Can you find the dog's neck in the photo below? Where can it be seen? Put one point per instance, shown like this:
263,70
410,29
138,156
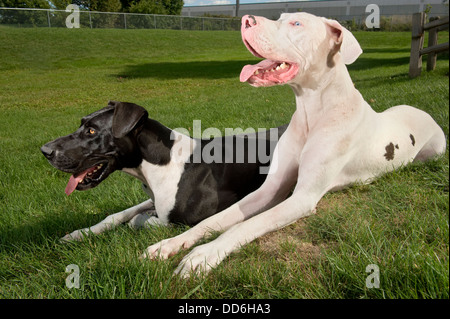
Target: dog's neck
159,146
317,95
153,145
155,142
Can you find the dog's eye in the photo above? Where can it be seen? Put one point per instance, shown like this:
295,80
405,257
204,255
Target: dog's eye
91,131
296,23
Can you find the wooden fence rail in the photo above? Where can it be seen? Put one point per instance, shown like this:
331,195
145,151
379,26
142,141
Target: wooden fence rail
418,33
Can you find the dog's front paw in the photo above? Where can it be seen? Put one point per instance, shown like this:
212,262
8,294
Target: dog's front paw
76,235
166,248
201,260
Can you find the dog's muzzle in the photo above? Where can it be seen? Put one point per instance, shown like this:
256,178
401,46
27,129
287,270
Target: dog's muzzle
47,151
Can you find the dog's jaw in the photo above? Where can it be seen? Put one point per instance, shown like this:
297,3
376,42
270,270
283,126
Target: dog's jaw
273,70
268,73
89,178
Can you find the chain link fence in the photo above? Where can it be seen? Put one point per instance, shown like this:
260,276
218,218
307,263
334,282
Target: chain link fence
92,19
21,17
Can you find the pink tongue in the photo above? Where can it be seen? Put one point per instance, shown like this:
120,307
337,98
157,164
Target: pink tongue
249,70
74,180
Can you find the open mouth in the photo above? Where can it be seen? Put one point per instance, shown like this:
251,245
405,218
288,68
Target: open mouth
87,179
267,72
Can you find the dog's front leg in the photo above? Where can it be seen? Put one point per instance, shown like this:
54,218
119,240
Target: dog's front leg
205,257
110,221
316,176
260,199
276,187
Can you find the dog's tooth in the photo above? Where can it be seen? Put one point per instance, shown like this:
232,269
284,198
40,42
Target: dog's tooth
278,68
283,65
256,72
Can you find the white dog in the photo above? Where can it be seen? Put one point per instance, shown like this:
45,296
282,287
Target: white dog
334,138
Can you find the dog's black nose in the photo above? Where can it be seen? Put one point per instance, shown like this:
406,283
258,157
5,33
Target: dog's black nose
47,151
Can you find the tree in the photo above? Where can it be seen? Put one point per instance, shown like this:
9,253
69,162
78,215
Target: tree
41,4
172,7
147,6
61,4
94,5
126,4
22,17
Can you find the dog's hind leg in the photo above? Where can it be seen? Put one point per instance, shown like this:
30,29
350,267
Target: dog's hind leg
110,221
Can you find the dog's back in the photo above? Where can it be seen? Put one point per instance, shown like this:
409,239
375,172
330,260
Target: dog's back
231,167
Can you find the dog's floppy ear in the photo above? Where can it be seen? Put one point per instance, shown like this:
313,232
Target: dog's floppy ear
126,117
349,47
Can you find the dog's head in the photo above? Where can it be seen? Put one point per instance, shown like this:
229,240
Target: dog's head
294,47
104,142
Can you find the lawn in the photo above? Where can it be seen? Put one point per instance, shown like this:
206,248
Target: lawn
50,78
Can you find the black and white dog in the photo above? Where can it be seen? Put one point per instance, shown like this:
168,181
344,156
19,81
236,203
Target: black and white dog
187,179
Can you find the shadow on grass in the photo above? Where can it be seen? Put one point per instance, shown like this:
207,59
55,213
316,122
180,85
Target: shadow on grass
376,81
364,63
192,69
232,68
48,228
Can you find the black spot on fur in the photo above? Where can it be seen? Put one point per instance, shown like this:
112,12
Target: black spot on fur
389,152
413,140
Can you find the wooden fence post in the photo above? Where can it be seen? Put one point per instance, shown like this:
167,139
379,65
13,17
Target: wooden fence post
417,51
415,60
432,40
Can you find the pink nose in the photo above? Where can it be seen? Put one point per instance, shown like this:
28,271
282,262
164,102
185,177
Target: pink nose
248,21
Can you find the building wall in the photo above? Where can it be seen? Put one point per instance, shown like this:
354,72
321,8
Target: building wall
337,9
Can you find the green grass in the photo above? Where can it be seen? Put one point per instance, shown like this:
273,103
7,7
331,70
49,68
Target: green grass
50,78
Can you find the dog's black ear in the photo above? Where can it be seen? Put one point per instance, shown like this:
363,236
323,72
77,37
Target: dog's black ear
126,117
113,103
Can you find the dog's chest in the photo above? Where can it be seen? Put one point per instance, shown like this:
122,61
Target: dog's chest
164,180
